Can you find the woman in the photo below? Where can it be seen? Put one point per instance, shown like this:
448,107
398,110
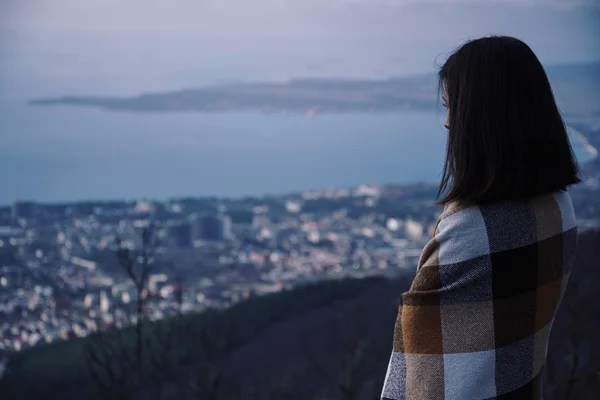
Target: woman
476,320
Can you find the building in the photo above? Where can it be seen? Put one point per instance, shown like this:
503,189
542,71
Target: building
24,209
104,302
227,227
211,227
179,234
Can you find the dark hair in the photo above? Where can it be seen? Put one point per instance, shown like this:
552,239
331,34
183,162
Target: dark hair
506,138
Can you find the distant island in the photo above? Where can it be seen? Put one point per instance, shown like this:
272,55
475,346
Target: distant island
577,87
301,95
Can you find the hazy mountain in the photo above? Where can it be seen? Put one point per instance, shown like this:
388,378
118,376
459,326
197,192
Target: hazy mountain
577,88
302,95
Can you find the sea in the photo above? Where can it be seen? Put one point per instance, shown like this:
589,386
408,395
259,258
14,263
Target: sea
66,154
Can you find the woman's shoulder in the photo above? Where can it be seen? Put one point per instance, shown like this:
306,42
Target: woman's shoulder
479,229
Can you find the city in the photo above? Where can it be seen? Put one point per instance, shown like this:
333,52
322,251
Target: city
60,277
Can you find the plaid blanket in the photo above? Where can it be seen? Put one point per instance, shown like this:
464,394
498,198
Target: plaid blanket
476,320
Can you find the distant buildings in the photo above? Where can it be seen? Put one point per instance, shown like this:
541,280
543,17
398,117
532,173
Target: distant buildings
208,227
104,302
414,230
24,209
60,278
179,234
211,227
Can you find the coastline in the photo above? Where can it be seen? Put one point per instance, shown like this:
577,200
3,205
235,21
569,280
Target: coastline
587,146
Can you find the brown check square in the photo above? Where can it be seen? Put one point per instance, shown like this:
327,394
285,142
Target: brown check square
422,329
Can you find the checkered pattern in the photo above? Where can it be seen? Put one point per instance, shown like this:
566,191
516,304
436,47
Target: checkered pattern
476,320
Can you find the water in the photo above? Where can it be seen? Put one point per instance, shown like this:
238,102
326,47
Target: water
68,154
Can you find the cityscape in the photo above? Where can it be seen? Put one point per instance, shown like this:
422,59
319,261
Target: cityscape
60,277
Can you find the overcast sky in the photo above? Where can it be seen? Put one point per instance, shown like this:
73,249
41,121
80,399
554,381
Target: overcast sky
50,47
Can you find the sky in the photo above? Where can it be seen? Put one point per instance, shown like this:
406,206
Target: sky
119,47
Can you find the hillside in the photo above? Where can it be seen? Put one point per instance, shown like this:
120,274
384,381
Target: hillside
577,87
573,370
342,347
